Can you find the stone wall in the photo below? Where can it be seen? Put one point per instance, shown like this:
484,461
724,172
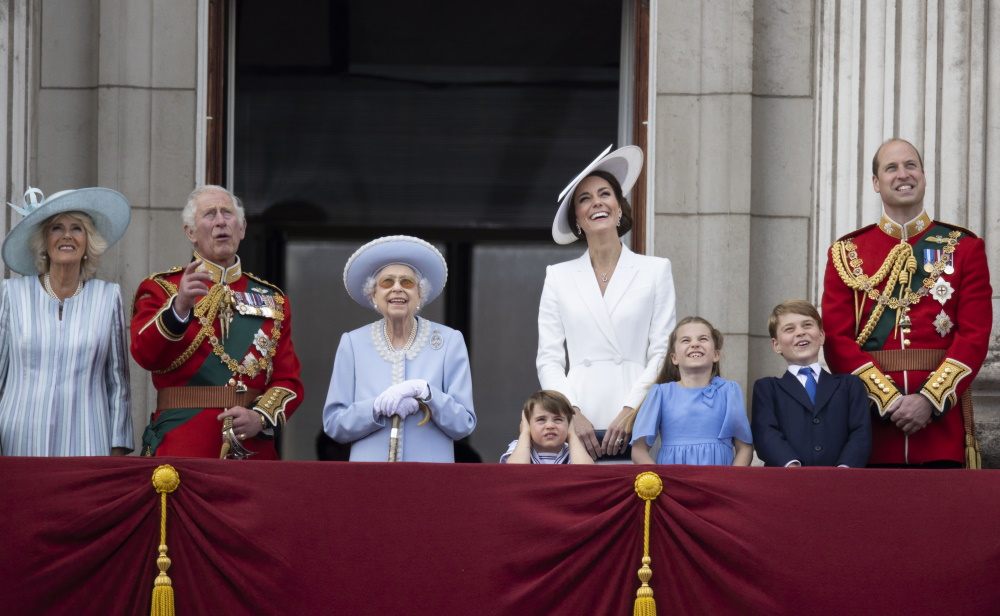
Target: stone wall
767,115
115,106
764,115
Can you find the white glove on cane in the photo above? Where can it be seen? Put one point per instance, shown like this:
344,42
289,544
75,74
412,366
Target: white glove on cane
401,399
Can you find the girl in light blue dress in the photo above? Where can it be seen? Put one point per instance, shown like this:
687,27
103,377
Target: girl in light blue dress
699,416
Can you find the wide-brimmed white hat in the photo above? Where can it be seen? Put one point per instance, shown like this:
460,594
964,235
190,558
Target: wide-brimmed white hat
109,209
413,252
624,163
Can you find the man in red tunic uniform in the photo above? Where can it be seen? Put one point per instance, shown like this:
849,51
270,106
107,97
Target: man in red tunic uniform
218,342
907,307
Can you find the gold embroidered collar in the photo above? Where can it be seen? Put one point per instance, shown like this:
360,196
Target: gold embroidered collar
219,274
904,232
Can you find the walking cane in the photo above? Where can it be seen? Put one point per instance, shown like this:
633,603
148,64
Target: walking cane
394,433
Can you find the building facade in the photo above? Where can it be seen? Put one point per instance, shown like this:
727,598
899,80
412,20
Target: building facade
762,119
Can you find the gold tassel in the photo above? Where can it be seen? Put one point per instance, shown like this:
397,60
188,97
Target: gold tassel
972,458
165,480
648,486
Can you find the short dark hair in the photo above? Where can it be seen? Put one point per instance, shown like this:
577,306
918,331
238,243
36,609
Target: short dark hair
616,187
551,401
887,142
792,306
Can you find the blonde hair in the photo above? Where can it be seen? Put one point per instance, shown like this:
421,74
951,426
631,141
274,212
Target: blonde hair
96,244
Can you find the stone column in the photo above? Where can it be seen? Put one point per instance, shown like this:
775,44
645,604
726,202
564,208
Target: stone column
700,160
782,217
16,67
916,70
116,107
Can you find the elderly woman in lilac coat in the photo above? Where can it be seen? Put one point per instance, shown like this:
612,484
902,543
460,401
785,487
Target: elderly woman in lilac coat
401,365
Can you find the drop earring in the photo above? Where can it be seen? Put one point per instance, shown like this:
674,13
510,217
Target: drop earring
579,231
619,219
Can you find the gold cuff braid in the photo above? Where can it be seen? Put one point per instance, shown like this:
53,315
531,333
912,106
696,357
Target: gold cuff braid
941,385
881,390
272,405
162,327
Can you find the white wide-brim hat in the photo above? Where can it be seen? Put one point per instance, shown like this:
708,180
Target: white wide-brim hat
624,163
109,209
413,252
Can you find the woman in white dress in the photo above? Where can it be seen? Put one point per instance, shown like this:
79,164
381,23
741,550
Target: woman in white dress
610,311
64,380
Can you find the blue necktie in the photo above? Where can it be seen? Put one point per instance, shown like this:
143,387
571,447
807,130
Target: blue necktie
807,372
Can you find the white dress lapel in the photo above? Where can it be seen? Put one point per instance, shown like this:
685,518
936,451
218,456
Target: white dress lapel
586,284
621,280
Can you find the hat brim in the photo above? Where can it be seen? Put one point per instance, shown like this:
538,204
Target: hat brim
624,163
413,252
109,210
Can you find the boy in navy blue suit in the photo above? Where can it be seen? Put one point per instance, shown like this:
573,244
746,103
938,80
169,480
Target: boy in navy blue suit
808,417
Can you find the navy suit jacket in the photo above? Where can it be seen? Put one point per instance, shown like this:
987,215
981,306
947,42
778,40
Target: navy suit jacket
835,430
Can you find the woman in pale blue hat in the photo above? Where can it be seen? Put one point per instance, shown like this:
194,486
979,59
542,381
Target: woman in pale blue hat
63,339
401,388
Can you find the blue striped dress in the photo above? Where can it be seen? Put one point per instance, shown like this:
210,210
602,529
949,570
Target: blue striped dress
64,383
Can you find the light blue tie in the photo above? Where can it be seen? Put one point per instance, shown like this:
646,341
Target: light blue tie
807,372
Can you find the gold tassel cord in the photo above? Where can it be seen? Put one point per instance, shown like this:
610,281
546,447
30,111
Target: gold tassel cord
165,480
647,486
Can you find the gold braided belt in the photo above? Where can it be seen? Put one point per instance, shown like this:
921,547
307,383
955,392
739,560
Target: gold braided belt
204,397
899,268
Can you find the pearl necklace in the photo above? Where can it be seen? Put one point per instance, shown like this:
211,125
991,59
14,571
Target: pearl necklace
409,341
48,288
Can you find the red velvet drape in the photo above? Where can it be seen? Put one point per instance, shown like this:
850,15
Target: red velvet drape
80,537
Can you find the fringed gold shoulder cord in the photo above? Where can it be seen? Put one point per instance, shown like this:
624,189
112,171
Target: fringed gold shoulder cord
165,480
648,486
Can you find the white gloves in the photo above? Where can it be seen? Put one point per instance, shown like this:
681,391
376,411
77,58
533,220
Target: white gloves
401,399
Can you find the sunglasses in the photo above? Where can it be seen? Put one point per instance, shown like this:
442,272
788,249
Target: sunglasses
404,281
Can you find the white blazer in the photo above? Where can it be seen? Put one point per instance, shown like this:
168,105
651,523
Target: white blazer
616,343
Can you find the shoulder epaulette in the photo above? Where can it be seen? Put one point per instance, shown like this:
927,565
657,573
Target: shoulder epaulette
956,228
166,273
262,281
855,233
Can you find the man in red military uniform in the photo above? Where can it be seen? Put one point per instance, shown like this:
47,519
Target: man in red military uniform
907,307
218,342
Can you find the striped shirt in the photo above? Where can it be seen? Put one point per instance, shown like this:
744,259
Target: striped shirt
64,383
540,458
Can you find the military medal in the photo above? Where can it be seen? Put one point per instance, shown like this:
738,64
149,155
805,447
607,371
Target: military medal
943,324
942,290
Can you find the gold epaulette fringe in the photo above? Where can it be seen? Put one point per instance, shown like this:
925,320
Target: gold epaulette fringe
263,282
647,486
165,480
